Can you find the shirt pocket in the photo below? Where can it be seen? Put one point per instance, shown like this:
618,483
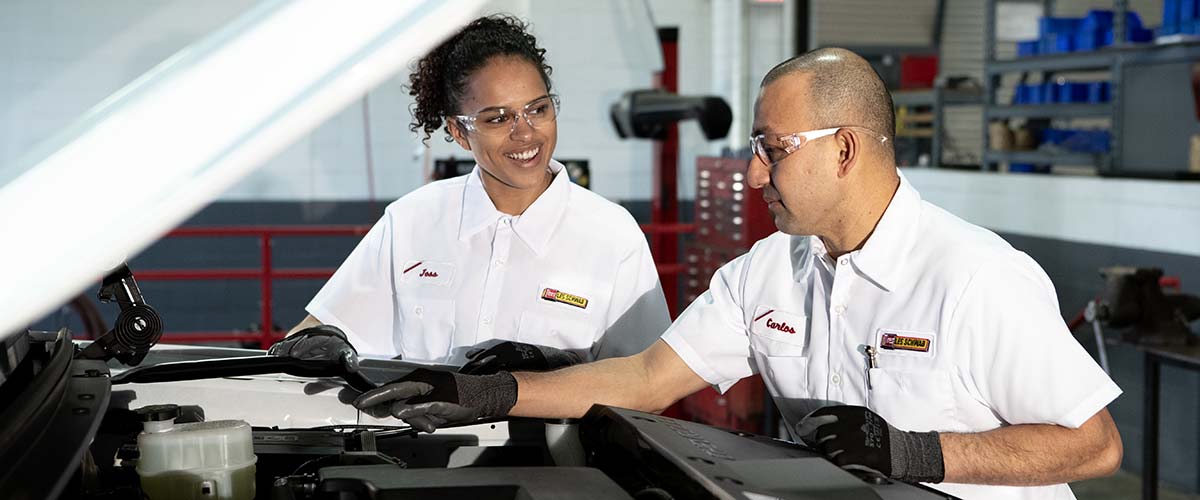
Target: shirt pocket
557,332
426,329
779,333
786,377
782,360
917,400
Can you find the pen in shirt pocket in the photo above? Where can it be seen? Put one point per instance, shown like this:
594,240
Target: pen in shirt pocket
871,363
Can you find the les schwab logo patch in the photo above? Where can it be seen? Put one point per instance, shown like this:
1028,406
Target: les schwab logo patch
892,341
553,295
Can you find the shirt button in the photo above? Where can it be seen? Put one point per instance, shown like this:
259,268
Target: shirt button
487,321
418,310
500,262
836,379
843,261
839,309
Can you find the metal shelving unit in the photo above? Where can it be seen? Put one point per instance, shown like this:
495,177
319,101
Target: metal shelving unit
1118,60
937,99
1042,157
1052,111
1107,59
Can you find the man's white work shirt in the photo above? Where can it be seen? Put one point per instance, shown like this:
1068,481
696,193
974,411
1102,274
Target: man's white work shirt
444,270
967,330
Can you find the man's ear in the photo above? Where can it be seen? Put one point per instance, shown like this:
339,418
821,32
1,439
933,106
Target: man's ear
458,132
849,151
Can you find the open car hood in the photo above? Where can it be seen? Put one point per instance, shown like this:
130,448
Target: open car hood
161,148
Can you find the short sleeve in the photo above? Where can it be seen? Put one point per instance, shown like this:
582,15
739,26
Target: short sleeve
358,298
1021,359
711,334
637,313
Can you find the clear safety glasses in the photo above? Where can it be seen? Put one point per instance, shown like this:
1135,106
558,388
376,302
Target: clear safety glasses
773,152
502,121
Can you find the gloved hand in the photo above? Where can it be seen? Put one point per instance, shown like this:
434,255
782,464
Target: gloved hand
856,438
516,356
318,342
427,399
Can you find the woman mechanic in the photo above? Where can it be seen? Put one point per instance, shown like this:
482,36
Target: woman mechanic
513,257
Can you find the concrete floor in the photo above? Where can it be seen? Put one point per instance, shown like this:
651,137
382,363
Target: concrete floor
1124,486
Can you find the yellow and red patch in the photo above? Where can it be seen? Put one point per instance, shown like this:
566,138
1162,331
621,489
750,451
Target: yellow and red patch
893,341
553,295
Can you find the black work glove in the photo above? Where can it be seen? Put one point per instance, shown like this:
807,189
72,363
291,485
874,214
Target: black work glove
427,399
856,438
517,357
318,342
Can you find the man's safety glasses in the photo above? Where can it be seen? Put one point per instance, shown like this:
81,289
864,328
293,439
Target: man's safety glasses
786,144
502,121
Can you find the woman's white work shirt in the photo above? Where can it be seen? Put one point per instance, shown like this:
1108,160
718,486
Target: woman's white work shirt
443,270
967,330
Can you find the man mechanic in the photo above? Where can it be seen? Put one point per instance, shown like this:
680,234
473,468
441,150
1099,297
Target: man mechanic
893,336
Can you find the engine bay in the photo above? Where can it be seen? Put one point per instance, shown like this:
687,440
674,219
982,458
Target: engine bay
77,428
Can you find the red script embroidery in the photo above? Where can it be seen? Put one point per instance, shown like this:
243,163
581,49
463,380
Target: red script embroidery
783,327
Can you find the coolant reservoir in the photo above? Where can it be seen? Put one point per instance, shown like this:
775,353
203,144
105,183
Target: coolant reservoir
200,461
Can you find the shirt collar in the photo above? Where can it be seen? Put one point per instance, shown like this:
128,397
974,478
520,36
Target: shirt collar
880,257
534,227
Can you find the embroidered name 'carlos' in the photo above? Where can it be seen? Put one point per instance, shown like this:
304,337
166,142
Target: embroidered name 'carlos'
783,327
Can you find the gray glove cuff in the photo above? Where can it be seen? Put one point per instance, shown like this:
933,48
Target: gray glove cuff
491,395
917,457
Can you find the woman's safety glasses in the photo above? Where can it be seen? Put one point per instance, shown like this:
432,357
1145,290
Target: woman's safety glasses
502,121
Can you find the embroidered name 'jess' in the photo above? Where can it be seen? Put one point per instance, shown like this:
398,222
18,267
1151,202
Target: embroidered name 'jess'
427,273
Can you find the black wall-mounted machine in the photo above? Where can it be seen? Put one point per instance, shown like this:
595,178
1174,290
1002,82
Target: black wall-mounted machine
646,114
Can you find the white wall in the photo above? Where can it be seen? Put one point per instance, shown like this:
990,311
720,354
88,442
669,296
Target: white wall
1144,214
62,57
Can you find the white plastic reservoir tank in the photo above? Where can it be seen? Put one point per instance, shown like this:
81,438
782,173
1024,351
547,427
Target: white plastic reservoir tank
200,461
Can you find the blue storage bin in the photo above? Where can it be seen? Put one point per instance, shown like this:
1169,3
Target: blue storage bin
1079,141
1098,92
1055,25
1029,94
1170,18
1189,10
1028,168
1071,92
1140,35
1096,29
1056,43
1027,48
1089,40
1057,34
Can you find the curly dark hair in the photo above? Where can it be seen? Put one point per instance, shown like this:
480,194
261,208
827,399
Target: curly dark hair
438,80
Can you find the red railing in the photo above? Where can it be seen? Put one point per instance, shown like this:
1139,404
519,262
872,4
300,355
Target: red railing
267,273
